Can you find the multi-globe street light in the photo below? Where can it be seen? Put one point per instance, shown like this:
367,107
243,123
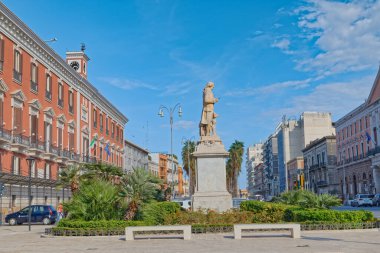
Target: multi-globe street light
171,111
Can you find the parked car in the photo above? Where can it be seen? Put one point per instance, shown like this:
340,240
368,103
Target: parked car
362,200
40,213
236,202
376,200
184,203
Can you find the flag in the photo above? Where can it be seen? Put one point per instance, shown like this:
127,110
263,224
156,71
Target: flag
107,149
92,144
369,138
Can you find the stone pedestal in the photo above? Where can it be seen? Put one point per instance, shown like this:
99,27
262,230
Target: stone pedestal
211,191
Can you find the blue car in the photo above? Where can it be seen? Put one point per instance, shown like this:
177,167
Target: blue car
44,214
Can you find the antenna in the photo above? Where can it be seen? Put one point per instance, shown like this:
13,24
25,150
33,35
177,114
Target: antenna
82,47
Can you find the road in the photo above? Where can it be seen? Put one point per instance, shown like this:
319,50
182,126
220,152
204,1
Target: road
375,210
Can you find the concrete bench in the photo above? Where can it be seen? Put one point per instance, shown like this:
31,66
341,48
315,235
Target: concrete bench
129,231
294,228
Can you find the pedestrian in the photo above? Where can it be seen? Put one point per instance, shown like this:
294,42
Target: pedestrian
59,212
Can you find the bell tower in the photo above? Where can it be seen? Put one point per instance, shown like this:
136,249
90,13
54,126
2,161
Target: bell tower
78,61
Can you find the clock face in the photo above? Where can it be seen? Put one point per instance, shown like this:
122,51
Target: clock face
75,65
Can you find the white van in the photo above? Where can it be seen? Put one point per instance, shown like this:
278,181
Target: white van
184,203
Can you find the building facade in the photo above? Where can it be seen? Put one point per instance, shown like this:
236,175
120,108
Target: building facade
153,167
294,135
259,186
358,151
320,166
295,169
135,157
48,111
270,166
254,156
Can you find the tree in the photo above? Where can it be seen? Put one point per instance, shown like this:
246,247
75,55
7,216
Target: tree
189,162
102,171
233,167
138,187
308,199
71,177
96,200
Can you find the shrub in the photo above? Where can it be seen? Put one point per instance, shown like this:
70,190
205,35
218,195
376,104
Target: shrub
266,212
210,217
315,215
154,213
98,200
100,224
308,199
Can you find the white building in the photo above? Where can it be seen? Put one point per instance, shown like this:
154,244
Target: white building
254,157
134,157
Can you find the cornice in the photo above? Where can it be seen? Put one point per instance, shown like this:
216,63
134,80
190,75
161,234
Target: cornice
24,37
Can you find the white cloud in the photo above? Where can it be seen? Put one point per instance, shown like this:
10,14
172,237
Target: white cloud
282,44
177,89
346,35
337,97
275,87
127,84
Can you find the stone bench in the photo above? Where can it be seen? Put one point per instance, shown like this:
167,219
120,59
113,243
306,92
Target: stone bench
129,231
294,228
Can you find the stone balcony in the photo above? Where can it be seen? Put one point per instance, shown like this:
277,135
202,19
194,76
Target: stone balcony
20,143
5,136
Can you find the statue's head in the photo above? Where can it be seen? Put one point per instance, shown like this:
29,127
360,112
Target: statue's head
210,85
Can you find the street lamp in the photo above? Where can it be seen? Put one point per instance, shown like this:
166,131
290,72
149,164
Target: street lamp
184,140
30,161
171,112
344,179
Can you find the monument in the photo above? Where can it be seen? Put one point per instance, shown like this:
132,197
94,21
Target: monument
210,154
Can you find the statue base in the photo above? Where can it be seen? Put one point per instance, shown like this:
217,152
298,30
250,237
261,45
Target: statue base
211,192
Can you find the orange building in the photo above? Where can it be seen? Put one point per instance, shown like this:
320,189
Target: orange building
180,181
162,167
49,111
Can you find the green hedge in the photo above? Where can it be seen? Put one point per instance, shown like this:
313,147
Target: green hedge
101,224
316,215
154,213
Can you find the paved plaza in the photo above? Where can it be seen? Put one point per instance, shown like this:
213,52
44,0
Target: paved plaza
18,239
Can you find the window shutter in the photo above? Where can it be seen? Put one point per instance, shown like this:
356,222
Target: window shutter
37,76
31,71
13,164
20,63
2,50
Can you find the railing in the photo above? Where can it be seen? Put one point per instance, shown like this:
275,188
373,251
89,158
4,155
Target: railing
37,145
17,75
21,139
5,134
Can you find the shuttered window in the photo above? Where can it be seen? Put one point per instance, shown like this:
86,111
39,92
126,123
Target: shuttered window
101,122
1,113
1,54
17,120
71,141
71,102
107,131
16,165
60,94
33,77
17,67
33,129
48,87
95,117
60,133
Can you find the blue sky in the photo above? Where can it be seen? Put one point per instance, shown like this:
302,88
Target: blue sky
266,58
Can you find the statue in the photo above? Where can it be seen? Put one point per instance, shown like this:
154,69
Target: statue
207,126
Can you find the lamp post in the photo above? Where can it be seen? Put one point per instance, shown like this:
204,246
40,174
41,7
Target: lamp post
30,161
184,140
171,111
344,179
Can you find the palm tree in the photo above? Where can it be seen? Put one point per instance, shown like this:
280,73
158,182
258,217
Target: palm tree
189,162
234,162
103,171
70,176
138,187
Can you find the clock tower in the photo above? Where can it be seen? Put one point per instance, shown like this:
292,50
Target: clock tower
78,61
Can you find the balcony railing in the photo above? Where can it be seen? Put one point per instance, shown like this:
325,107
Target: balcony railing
37,145
21,139
5,134
17,76
33,86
